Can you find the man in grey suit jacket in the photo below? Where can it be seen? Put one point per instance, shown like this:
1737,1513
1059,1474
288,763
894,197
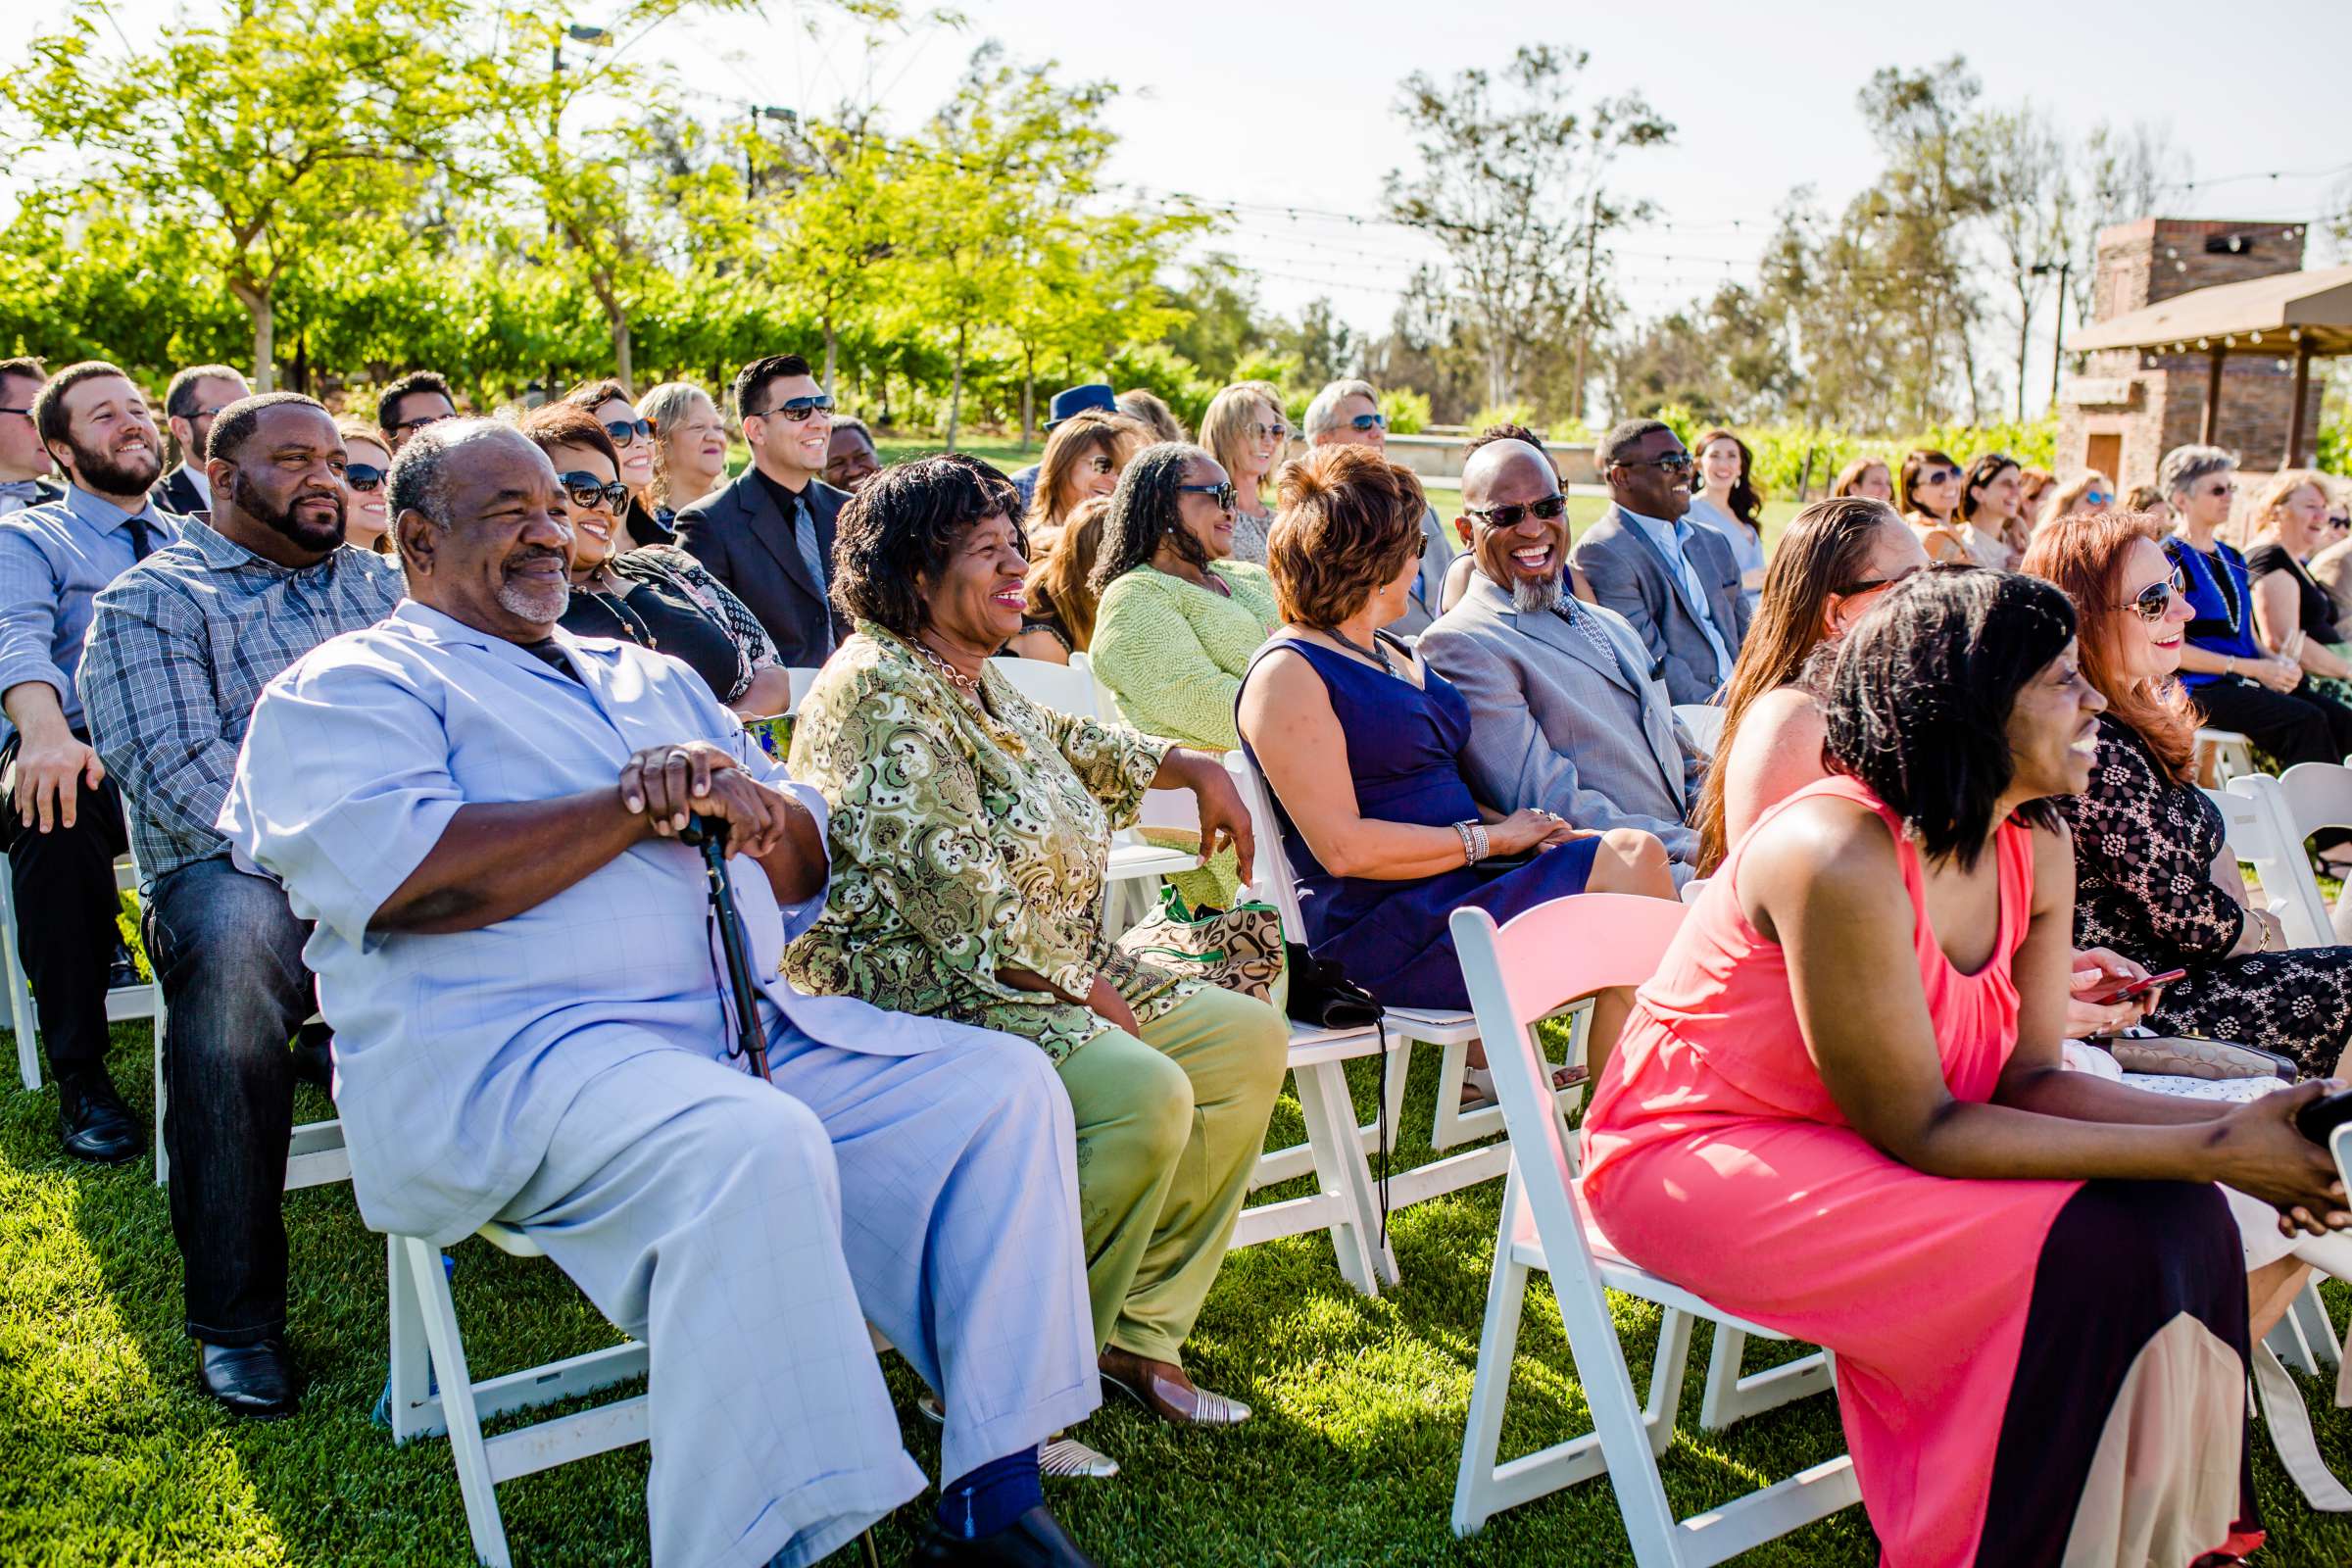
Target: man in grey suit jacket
1347,414
1566,710
1674,583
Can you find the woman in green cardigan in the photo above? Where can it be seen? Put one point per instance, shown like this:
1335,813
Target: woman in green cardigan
1179,618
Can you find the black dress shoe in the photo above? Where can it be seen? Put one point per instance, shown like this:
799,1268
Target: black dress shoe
96,1124
1033,1540
252,1380
313,1056
123,972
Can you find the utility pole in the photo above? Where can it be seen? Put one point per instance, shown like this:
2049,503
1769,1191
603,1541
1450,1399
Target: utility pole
2062,268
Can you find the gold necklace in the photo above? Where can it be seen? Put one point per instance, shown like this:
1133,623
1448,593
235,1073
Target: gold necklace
967,684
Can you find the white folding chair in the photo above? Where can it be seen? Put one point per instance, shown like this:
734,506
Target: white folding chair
1704,723
427,1348
1518,974
22,1020
801,677
1071,689
2223,755
2254,826
2307,799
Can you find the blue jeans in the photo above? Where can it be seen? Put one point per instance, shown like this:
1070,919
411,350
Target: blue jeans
229,951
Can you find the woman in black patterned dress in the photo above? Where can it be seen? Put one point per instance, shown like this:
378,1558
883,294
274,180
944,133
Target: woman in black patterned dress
2153,879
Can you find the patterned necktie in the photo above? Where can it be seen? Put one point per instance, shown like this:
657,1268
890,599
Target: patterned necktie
803,534
142,539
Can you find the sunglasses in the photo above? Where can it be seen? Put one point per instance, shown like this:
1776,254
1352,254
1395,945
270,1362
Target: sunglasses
1101,463
28,412
1870,585
1275,433
1222,493
1937,475
2156,598
1510,516
798,410
2338,520
422,420
2096,498
626,432
591,494
1370,421
1671,463
363,479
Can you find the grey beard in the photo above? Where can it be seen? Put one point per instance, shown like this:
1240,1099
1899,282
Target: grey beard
1533,597
532,604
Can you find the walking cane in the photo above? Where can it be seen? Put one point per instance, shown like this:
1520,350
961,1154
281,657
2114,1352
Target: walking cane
708,834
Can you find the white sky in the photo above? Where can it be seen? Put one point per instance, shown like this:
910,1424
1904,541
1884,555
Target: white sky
1287,104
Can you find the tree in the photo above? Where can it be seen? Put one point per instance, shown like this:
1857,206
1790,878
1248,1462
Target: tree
1513,188
2018,165
2121,174
260,140
1923,205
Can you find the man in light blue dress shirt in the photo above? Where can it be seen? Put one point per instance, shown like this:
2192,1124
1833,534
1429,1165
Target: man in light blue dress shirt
67,821
479,812
1674,581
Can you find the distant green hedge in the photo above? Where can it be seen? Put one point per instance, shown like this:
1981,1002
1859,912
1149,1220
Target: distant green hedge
1781,449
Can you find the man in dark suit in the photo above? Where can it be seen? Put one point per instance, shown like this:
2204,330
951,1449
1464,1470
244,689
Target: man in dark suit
193,400
1675,581
769,535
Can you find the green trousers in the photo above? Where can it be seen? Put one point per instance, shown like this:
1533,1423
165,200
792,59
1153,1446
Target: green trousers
1169,1129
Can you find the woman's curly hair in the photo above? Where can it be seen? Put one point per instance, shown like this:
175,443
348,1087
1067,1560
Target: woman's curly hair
908,522
1918,703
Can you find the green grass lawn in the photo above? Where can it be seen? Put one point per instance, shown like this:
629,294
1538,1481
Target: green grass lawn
110,1456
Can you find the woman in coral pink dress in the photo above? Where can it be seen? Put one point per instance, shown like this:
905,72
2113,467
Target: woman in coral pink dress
1839,1111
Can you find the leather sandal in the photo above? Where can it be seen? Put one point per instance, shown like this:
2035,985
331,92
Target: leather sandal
1061,1456
1164,1389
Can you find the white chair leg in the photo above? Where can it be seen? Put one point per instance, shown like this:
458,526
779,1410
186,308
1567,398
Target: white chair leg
2319,1330
416,1410
1666,1378
1624,1440
1473,1499
2286,1341
163,1152
22,1019
1340,1169
1730,1396
440,1316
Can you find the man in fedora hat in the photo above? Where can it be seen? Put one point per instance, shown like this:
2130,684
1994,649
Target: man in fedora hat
1067,402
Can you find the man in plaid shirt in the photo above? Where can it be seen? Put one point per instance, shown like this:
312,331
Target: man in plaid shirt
179,648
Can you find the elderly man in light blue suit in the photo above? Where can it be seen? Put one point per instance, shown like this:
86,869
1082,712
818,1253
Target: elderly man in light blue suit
1567,710
479,812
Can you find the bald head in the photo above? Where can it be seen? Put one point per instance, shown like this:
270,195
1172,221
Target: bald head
1511,464
483,530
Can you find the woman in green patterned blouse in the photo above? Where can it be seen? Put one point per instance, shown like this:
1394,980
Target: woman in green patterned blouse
970,833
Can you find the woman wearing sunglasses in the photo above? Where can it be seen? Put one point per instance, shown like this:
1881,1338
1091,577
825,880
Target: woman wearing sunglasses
368,518
2296,617
2090,491
1245,432
1082,460
632,435
655,596
1928,487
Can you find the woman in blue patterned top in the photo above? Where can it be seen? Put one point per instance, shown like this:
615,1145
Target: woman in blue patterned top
2236,682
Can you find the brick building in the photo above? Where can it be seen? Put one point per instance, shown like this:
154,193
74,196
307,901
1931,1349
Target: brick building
2136,398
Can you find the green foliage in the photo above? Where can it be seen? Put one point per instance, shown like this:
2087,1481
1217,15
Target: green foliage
1406,408
1520,412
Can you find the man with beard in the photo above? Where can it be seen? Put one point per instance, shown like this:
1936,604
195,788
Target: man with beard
480,811
63,813
179,648
1567,708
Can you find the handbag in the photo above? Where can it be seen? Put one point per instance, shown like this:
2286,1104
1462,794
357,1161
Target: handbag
1238,949
1322,995
2189,1057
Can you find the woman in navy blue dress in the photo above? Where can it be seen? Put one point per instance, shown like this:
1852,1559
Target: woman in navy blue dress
1360,744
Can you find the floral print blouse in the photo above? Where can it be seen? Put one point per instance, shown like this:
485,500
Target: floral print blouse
968,834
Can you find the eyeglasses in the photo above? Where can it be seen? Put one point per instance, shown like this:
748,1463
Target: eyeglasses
2338,520
627,432
1223,494
1937,475
2097,498
28,412
591,494
1671,463
1370,421
1274,432
2153,601
1512,516
411,426
361,477
1869,585
1101,463
798,410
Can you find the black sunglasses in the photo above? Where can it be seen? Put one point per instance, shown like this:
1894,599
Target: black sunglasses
1671,463
799,408
625,431
1937,475
2156,598
1872,584
422,420
1223,493
1512,516
589,492
362,477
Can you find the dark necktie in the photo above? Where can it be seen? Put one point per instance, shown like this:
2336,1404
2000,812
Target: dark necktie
803,534
142,539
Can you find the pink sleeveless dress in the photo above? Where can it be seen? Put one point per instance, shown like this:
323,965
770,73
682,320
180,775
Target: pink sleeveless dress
1717,1159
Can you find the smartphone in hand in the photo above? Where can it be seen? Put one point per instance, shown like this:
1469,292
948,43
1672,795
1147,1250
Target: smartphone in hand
2139,988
